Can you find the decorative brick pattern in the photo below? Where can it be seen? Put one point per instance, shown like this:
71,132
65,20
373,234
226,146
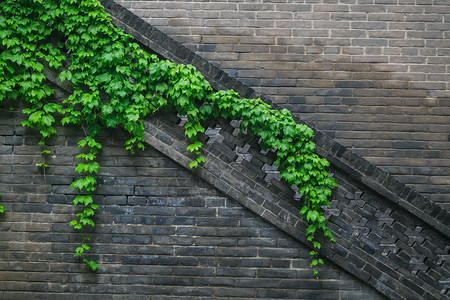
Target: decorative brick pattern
374,75
379,239
343,158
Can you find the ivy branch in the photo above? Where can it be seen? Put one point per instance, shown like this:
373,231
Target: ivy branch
117,84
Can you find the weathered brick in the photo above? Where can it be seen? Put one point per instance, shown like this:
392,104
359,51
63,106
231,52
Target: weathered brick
274,273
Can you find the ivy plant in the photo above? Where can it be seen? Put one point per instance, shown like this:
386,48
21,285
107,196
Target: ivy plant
2,209
117,84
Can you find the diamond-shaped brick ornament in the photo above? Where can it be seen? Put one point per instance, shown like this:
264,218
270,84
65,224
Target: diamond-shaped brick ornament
214,135
243,154
271,172
183,120
237,125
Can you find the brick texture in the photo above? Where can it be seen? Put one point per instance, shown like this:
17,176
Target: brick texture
229,229
383,228
386,200
161,233
374,75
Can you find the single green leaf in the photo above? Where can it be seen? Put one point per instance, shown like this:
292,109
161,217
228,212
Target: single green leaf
193,164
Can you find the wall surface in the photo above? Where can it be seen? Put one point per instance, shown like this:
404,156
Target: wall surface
373,74
161,233
229,229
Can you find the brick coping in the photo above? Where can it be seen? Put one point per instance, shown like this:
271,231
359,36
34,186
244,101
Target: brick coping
340,156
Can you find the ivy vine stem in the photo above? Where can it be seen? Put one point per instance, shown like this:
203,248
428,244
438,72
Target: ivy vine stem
117,84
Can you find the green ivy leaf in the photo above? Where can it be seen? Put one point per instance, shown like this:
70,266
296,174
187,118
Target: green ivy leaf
92,167
194,146
304,210
193,164
65,75
47,120
311,230
206,109
83,199
94,267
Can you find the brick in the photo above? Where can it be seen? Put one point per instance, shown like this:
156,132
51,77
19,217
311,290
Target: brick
276,273
156,270
235,272
331,24
293,7
291,253
256,7
212,241
261,242
222,222
315,294
131,240
186,211
293,24
172,240
193,271
276,293
195,250
174,221
13,140
239,252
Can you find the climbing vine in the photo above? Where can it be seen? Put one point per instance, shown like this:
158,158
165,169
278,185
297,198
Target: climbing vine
117,84
2,209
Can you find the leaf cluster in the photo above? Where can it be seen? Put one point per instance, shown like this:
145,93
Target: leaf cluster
79,252
117,85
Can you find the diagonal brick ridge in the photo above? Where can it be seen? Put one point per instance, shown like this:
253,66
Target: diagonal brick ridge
372,76
340,156
388,235
377,240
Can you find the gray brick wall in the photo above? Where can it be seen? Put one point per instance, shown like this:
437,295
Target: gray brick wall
388,236
161,233
372,74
